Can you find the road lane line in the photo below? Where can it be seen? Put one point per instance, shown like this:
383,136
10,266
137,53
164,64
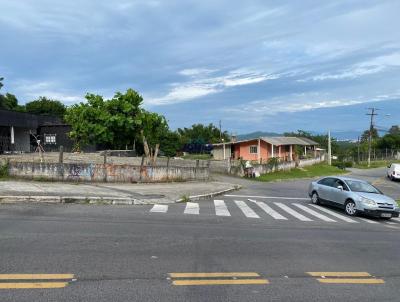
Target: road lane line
333,213
192,208
220,282
314,213
33,285
35,276
350,281
159,208
269,197
267,209
213,275
339,274
220,208
389,222
292,212
247,211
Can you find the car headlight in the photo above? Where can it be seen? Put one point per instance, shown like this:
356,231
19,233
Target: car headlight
368,202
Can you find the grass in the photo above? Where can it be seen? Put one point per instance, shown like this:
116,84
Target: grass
374,164
398,202
4,172
197,156
306,172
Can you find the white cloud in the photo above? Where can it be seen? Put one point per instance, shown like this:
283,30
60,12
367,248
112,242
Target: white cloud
297,103
202,84
368,67
181,93
30,90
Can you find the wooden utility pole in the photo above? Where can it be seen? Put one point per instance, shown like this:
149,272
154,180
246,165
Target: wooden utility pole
371,128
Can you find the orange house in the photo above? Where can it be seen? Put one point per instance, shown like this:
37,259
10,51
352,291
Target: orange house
263,148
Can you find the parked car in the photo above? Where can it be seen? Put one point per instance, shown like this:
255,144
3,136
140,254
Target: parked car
354,195
393,171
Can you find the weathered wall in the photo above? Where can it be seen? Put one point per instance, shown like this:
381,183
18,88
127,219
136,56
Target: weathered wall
265,168
105,173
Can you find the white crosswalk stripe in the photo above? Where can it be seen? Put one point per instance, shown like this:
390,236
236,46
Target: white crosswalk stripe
391,222
292,212
314,213
367,220
267,209
333,213
192,208
247,211
159,208
220,208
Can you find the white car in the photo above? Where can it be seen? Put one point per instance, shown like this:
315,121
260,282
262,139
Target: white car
393,171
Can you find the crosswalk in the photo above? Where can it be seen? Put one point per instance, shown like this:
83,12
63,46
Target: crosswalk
275,210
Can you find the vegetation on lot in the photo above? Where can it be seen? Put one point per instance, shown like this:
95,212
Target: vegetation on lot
306,172
374,164
3,171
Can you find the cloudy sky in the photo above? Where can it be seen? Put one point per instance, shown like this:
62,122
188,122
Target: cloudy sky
255,65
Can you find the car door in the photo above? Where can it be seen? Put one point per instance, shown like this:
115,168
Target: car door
325,188
338,195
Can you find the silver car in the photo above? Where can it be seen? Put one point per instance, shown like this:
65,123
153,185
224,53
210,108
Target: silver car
354,195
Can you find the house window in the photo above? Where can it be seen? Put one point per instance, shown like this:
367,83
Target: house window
253,149
49,139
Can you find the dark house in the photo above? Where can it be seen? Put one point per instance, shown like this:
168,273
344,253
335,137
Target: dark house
19,130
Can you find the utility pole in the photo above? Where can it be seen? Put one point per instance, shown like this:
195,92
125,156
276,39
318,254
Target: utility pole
329,149
220,131
358,150
371,128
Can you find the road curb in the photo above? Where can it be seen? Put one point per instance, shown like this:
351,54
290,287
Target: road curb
11,199
208,195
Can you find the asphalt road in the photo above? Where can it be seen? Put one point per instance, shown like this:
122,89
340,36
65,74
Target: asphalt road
125,253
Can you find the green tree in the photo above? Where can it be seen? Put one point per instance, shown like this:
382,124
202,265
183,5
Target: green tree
374,135
113,123
9,102
46,106
394,130
202,134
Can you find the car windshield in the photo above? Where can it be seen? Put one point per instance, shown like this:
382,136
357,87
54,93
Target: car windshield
360,186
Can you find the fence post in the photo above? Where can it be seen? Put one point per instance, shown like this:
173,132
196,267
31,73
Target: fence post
141,168
168,167
61,162
105,165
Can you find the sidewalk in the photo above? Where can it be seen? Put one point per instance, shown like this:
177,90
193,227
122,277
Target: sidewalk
109,193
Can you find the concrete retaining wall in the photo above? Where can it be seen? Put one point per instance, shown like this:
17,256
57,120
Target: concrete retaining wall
104,173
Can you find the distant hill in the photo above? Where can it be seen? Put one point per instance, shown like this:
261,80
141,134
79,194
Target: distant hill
256,134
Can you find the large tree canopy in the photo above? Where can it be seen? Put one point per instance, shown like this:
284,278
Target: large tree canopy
46,106
202,134
114,123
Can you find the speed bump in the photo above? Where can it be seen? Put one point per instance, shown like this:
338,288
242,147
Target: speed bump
346,278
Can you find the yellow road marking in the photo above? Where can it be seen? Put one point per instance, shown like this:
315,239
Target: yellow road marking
35,276
351,281
212,275
220,282
33,285
339,274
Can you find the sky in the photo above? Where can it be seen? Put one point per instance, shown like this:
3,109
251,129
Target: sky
255,65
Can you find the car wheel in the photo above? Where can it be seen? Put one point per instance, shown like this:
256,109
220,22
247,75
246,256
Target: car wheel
350,208
315,198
